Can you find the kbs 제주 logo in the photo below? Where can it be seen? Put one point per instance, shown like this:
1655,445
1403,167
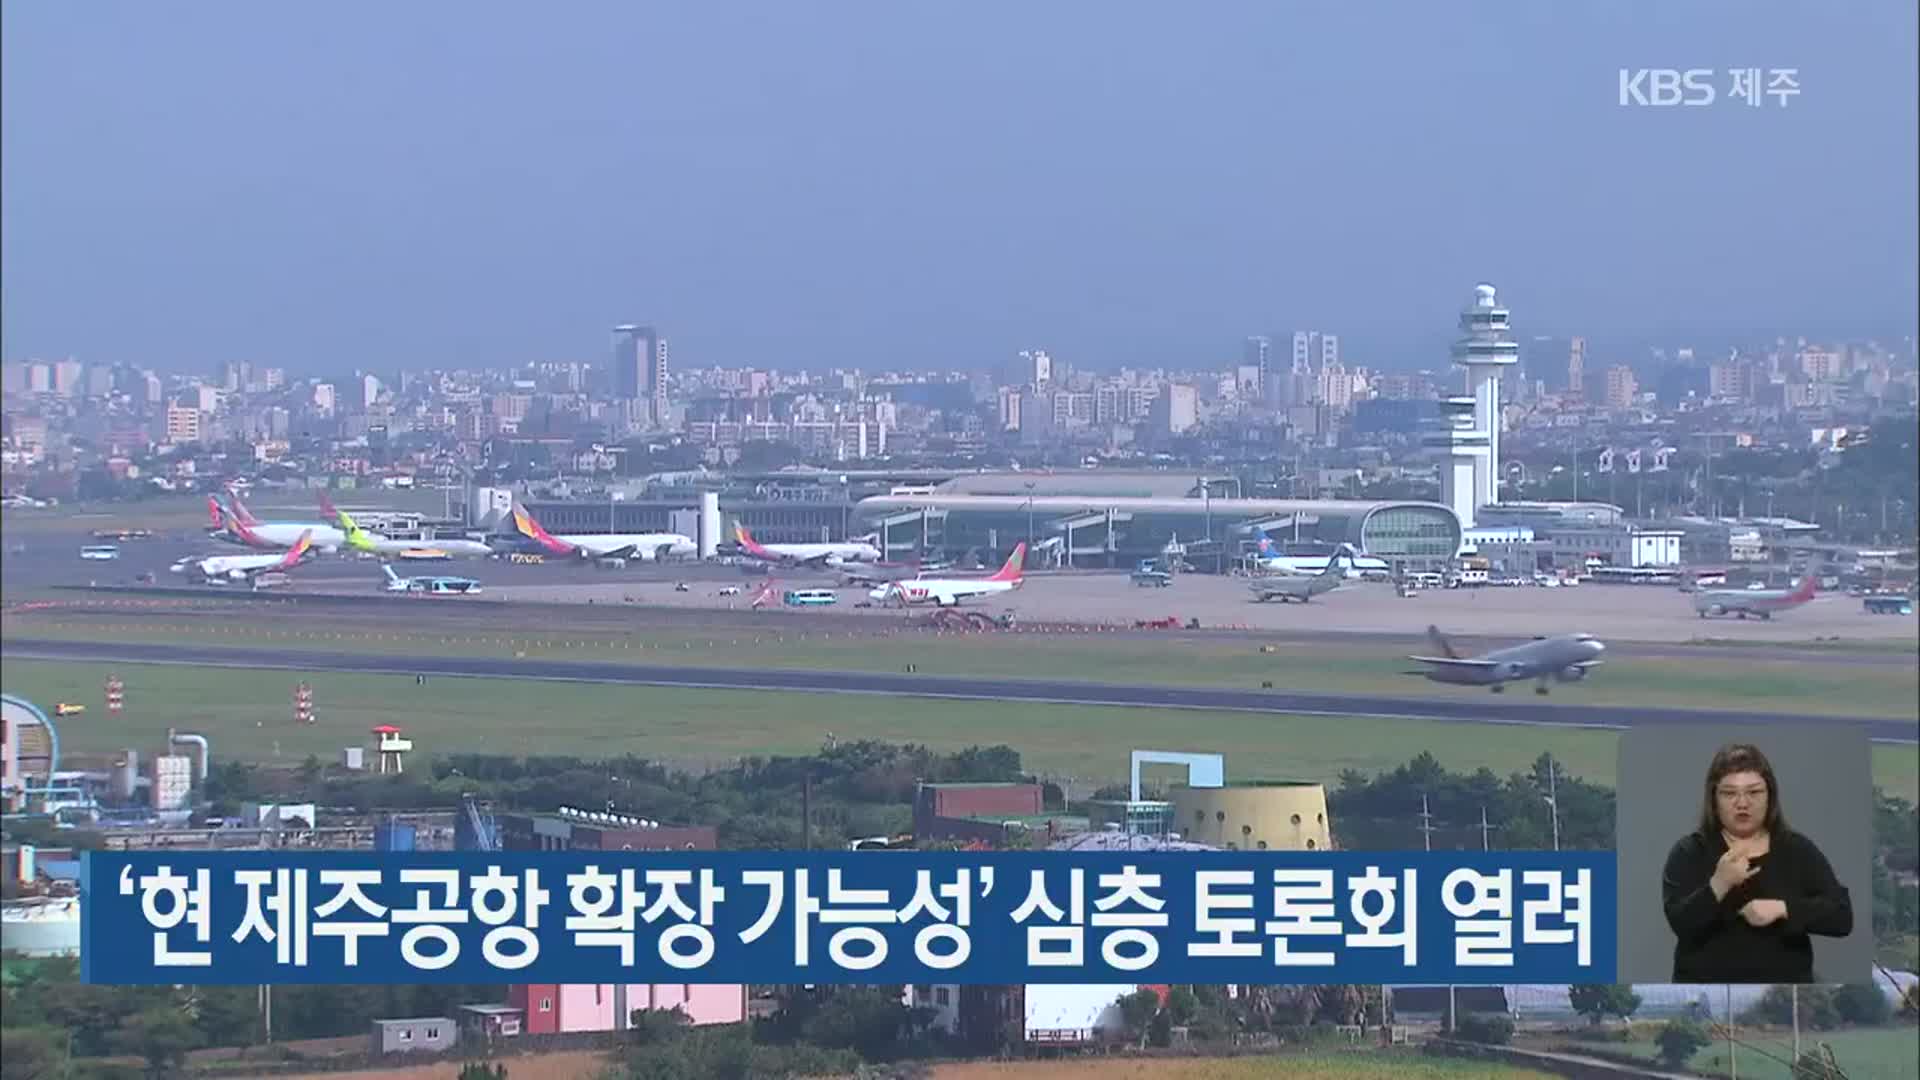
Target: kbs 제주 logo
1666,86
1693,87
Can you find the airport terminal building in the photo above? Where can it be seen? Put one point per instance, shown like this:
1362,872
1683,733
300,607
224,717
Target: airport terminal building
1097,519
1089,519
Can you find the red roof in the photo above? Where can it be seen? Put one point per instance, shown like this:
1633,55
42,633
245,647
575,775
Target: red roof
386,729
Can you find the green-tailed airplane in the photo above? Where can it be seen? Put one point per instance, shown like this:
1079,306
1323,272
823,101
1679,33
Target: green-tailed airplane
359,539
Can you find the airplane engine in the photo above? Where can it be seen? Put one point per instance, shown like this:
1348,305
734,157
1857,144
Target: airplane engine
1511,671
1572,674
236,575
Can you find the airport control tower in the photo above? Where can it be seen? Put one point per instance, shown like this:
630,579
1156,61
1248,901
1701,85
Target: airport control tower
1485,351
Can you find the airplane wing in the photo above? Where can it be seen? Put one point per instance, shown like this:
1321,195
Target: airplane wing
1454,661
617,553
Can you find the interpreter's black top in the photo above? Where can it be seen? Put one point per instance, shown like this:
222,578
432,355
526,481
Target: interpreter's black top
1717,945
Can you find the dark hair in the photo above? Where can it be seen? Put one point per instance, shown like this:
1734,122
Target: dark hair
1734,758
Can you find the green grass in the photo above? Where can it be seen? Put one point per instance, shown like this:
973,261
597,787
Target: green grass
1863,1053
1707,682
248,715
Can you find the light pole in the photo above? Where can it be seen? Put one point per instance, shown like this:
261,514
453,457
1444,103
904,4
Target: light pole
1029,515
1553,803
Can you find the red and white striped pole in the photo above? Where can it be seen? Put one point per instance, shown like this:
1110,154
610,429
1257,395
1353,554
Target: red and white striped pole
116,693
303,703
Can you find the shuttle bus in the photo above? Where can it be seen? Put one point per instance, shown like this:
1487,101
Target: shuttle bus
100,552
810,597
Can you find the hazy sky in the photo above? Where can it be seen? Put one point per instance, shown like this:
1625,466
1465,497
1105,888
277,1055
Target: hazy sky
898,183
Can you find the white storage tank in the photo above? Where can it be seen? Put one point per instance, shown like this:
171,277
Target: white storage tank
172,782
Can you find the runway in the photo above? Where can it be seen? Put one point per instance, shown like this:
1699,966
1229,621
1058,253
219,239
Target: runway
1444,704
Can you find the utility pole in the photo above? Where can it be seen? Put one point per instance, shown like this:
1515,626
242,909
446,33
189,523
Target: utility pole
1484,830
1733,1048
1794,989
1553,802
1426,838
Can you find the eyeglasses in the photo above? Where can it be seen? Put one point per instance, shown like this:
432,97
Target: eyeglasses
1736,794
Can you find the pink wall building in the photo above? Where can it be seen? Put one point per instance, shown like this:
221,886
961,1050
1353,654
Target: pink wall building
551,1008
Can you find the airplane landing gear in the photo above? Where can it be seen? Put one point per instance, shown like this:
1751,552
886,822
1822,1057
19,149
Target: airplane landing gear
1541,689
1499,688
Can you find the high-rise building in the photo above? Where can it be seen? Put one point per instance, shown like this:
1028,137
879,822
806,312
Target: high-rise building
1822,365
1577,368
66,377
1258,354
1033,367
1622,387
183,424
1010,407
1176,411
639,369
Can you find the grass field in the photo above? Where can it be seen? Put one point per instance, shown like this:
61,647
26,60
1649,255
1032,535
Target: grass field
1711,682
1352,1065
1863,1054
248,715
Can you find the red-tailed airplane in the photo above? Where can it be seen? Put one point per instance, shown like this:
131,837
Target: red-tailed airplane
948,592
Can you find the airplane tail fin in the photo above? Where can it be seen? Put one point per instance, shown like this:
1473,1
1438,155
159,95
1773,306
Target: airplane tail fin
532,530
215,517
745,539
240,511
1012,571
391,576
1333,561
245,532
1805,590
297,552
1440,642
327,509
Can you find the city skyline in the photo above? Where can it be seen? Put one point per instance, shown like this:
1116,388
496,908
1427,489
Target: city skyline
774,191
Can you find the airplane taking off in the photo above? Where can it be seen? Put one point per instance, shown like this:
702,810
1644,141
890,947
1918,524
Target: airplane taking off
1303,589
220,569
361,540
607,549
1760,603
432,586
948,592
817,555
1568,658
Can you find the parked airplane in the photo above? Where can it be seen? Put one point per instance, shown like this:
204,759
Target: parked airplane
880,573
1568,658
373,543
1303,588
254,533
1274,562
948,592
432,586
609,549
817,555
220,569
1760,603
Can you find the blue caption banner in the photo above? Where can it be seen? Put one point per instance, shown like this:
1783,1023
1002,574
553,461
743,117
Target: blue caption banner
874,917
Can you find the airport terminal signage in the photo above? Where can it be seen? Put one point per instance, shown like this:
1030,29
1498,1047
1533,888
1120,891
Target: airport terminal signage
872,917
